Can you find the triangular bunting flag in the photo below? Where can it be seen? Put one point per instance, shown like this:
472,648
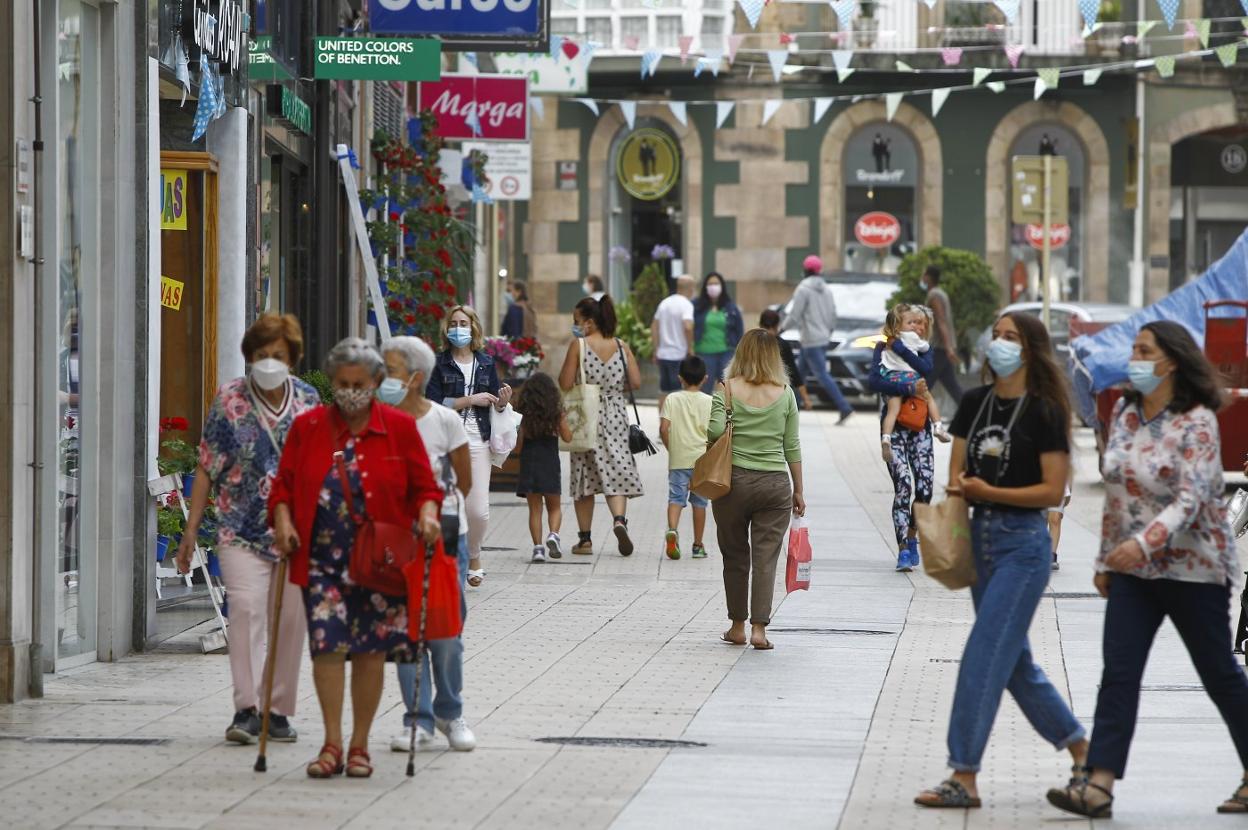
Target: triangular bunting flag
842,74
680,111
1091,76
538,107
841,59
1228,54
1165,65
734,43
1090,9
471,57
938,100
1039,89
821,108
996,86
650,62
589,102
1244,3
770,107
951,55
1009,8
630,42
1202,32
980,75
902,66
1050,76
556,43
845,13
722,110
1089,30
1169,10
777,58
685,42
1014,51
1143,27
629,108
891,101
753,11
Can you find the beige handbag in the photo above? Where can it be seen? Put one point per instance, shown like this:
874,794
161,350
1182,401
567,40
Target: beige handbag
945,534
712,473
583,406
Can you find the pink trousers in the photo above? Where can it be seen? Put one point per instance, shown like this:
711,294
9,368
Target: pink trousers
249,589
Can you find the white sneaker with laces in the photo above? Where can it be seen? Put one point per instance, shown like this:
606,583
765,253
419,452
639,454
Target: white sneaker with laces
457,733
539,553
554,549
424,741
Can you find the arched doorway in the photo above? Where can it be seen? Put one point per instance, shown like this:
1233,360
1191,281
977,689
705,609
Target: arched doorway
646,204
881,170
1066,259
1208,199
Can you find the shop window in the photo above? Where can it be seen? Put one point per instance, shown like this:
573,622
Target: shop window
667,31
881,173
638,27
1026,242
565,26
598,29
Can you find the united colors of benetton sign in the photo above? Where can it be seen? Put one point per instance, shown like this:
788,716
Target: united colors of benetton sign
521,24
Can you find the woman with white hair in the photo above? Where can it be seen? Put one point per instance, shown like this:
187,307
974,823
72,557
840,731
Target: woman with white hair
465,379
353,457
409,362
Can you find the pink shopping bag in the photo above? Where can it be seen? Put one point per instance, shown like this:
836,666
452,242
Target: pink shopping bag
797,572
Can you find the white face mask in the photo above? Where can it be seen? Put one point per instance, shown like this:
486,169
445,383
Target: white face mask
587,288
270,373
714,290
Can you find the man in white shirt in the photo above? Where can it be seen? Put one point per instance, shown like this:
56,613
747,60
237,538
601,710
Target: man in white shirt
671,331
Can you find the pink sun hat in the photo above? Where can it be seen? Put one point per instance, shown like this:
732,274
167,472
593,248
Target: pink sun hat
813,264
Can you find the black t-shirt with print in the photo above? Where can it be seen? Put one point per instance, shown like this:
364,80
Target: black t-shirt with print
1008,458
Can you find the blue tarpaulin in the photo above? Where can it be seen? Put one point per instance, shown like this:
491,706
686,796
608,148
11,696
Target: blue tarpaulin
1099,360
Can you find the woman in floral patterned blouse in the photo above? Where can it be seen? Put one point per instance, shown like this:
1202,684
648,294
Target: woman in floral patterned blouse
238,454
1166,551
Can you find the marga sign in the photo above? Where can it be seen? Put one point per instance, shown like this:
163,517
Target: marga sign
498,104
519,25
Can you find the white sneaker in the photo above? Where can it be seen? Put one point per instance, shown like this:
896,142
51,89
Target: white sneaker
553,547
401,741
458,735
539,554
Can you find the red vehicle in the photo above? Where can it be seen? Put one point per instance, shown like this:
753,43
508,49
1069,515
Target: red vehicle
1226,346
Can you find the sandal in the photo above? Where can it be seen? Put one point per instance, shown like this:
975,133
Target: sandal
621,535
949,794
731,641
1073,798
1238,802
359,765
320,768
476,577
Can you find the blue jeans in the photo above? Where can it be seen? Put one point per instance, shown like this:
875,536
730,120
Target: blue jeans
815,361
678,491
715,366
447,660
1013,558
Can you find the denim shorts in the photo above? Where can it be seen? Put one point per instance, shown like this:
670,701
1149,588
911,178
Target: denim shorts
678,489
669,375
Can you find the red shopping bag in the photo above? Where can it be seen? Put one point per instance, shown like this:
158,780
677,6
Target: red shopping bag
443,619
797,572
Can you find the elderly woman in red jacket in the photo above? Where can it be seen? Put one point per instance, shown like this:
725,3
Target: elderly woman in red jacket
387,470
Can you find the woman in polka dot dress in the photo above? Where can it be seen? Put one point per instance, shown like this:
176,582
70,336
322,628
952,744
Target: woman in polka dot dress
610,469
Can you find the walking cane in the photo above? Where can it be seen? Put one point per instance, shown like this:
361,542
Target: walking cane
262,764
420,659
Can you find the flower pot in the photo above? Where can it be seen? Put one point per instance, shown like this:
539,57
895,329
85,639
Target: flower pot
162,547
523,372
188,481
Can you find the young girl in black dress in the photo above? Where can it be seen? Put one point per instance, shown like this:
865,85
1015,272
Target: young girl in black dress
540,479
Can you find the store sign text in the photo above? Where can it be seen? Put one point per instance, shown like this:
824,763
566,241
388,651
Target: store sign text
498,104
220,35
173,199
877,229
377,59
887,177
171,292
506,19
289,109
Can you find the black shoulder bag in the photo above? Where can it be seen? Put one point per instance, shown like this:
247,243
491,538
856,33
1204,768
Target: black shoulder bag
638,441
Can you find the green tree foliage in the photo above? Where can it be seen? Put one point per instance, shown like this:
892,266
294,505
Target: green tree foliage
648,291
974,292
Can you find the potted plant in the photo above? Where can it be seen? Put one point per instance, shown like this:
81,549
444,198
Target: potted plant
1109,37
504,355
176,454
528,356
630,329
169,526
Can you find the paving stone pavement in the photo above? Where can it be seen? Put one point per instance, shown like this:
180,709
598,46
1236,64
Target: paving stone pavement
837,728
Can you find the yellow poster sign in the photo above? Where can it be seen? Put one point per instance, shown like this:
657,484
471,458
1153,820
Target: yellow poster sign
173,195
171,292
648,165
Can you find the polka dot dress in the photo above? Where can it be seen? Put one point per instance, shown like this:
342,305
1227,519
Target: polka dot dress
609,470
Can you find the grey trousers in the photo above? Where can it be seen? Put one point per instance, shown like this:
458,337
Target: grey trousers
750,523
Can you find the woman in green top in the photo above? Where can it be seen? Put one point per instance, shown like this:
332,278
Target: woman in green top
766,451
717,328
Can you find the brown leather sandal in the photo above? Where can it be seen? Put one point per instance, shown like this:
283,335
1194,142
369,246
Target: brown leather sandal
1238,802
320,768
359,764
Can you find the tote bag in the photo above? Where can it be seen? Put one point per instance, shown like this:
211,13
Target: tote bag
712,473
583,406
439,599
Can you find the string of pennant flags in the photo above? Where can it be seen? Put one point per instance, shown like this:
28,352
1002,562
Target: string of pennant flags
1044,79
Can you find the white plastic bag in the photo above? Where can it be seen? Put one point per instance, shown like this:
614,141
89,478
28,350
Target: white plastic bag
504,433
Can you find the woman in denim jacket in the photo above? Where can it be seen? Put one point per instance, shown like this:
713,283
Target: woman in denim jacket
1011,460
717,328
465,379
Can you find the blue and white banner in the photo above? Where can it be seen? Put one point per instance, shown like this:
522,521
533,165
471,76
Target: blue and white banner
520,20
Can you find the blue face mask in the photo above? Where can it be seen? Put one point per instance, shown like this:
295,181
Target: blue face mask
1005,357
459,336
577,331
1143,376
392,391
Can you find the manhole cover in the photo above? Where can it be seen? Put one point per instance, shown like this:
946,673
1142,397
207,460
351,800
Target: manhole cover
1072,595
85,740
634,743
862,631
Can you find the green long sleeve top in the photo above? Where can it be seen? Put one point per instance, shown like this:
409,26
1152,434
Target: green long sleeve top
763,439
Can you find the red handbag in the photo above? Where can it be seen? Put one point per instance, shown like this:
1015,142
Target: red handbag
913,414
381,549
443,617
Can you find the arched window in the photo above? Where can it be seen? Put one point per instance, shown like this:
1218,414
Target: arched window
646,198
881,179
1066,240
